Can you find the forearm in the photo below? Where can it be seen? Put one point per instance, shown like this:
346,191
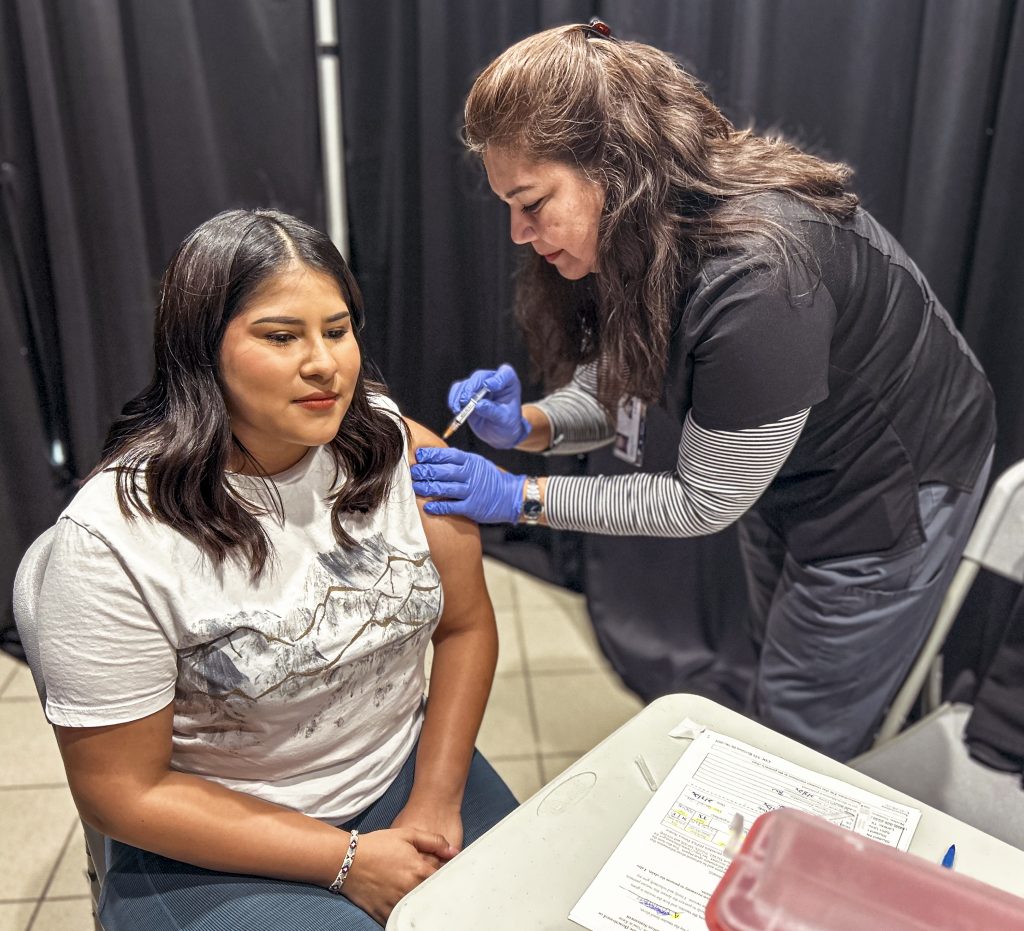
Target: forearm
460,682
192,819
576,420
719,475
540,436
576,428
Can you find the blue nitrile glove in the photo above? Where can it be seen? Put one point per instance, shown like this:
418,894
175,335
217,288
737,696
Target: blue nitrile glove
476,487
498,419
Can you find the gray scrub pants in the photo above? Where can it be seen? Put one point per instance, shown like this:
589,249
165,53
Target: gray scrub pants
837,637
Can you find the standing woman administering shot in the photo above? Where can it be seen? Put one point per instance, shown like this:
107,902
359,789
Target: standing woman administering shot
824,397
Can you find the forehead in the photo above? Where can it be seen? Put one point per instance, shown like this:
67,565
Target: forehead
508,171
295,285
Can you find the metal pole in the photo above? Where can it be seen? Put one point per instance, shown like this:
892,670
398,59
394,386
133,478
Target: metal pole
331,142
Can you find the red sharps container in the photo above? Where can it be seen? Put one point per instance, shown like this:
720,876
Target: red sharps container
798,872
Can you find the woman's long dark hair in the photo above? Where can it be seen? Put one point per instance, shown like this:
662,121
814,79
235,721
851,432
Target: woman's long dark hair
676,176
173,443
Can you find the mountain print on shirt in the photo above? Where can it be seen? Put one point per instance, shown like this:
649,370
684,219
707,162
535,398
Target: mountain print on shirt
358,630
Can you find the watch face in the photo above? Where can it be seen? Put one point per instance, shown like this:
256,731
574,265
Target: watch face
532,509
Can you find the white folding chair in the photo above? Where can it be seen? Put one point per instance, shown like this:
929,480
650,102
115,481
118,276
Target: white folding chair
996,543
27,584
930,760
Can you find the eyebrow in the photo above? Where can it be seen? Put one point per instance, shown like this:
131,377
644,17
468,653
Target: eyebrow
296,321
518,190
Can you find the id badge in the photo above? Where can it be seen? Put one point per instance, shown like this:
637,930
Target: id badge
629,431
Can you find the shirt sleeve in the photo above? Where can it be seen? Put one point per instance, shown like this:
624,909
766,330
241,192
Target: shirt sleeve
578,421
761,346
104,657
718,477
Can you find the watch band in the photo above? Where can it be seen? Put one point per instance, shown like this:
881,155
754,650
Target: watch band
533,506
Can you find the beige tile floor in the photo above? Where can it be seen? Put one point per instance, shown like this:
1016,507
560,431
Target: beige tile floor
554,698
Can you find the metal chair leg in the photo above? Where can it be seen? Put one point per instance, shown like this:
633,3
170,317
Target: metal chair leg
94,887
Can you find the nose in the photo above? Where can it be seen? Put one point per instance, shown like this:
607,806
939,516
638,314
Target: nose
522,230
319,362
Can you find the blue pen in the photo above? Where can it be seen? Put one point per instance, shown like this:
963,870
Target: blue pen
947,860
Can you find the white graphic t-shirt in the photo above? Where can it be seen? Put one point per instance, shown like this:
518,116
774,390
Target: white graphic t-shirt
304,688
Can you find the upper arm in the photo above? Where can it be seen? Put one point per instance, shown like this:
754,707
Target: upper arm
455,550
109,669
763,348
108,766
104,656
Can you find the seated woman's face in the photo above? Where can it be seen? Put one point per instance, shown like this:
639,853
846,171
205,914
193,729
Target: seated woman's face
556,209
289,365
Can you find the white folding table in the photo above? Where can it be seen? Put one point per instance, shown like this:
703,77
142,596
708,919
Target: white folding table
529,870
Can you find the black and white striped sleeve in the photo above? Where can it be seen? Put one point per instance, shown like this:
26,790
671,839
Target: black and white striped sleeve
578,421
718,476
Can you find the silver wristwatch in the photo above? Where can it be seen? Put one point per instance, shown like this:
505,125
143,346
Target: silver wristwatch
533,507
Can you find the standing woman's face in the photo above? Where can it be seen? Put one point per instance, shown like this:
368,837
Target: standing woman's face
555,208
289,364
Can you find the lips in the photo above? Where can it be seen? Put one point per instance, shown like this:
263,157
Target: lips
317,402
552,256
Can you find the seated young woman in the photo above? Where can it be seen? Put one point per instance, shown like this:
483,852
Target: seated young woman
236,611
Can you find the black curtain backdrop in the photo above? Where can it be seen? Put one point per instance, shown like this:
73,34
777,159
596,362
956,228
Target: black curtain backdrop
924,99
122,126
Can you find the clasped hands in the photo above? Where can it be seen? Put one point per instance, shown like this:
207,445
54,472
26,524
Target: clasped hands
470,485
392,862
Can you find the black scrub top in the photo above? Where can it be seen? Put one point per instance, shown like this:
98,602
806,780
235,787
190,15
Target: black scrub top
848,326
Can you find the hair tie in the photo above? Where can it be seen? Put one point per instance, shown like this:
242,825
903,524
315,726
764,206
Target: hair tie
597,28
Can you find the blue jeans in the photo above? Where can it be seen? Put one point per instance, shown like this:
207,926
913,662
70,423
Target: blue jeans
146,892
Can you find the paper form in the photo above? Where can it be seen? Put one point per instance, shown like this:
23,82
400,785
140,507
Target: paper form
668,864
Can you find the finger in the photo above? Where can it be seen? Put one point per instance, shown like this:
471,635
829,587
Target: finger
442,455
455,490
487,410
461,391
445,508
427,842
454,395
437,472
503,377
433,863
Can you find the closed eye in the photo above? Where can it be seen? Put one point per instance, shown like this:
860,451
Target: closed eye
534,207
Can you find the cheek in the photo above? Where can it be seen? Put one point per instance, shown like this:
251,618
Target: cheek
350,361
251,369
251,378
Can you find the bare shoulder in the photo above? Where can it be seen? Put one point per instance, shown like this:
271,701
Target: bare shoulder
452,539
420,437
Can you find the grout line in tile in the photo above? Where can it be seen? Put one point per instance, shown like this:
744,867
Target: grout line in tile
53,872
540,772
531,704
49,898
20,700
34,785
568,671
8,681
510,758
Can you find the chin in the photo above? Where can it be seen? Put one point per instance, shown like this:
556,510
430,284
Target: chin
574,274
